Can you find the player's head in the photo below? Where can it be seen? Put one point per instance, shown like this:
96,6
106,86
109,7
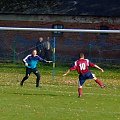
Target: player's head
34,52
40,39
82,55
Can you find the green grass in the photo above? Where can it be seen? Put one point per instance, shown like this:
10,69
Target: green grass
57,99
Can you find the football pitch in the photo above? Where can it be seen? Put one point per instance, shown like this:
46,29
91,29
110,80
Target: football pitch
57,99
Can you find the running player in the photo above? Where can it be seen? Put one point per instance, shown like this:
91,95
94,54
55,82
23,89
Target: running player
31,66
82,66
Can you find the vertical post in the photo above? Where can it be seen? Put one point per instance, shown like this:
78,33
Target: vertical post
54,45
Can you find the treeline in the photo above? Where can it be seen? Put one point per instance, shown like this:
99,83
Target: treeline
26,6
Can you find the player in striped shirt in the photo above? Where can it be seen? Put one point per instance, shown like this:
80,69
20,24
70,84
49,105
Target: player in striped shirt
82,67
31,62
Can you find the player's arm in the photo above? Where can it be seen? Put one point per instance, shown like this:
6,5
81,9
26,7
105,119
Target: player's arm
45,61
66,72
48,61
71,69
96,66
25,60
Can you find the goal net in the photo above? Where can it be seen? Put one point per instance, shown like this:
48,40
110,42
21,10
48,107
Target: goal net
63,47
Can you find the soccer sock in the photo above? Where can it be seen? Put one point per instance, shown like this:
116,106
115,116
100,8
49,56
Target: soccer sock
79,91
99,82
25,78
37,80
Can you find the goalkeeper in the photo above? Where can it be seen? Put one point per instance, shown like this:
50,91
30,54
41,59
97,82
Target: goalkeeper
30,62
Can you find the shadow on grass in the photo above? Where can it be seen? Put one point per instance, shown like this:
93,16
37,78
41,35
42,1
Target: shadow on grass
4,85
35,94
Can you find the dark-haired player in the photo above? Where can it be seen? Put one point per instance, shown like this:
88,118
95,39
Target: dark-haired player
31,62
82,66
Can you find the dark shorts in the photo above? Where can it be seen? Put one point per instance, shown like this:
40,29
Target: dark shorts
83,78
29,71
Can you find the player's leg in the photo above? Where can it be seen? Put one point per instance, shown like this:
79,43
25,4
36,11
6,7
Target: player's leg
99,82
79,91
28,71
80,84
36,72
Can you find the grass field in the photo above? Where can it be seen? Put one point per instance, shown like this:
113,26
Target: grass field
56,99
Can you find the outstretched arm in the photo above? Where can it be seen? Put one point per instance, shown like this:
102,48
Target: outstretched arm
96,66
48,61
43,60
66,73
71,69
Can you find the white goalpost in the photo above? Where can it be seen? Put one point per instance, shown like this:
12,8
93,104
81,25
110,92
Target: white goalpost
60,30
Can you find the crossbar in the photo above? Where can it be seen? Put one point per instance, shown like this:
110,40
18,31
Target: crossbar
59,30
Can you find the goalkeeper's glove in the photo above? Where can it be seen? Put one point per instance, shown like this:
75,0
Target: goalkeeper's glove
26,64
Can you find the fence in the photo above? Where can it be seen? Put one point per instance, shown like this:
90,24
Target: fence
98,46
